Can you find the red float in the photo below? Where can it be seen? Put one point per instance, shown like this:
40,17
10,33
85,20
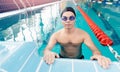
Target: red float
102,37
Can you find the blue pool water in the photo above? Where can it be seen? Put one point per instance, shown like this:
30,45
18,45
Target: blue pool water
39,25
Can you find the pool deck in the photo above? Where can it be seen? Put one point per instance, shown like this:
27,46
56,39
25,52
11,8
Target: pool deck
23,57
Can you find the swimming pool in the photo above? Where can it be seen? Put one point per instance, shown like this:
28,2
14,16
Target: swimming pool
103,22
38,26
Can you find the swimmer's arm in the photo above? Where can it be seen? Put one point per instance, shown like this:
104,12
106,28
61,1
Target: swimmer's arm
102,60
50,56
51,43
90,44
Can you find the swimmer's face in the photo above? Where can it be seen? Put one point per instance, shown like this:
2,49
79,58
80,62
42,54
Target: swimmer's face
68,19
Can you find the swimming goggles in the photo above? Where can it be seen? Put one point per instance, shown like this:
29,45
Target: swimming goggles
71,18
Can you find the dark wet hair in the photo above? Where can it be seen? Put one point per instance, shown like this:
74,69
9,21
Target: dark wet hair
68,9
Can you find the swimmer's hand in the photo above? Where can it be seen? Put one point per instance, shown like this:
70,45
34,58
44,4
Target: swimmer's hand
49,57
102,60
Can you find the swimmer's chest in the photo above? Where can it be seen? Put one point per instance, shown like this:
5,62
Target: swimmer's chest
71,40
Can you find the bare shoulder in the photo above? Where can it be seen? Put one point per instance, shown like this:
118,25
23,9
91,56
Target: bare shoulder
80,31
83,34
56,34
